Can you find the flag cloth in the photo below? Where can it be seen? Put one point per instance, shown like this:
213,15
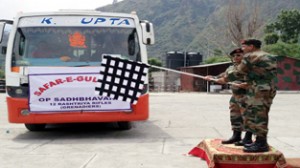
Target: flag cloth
121,79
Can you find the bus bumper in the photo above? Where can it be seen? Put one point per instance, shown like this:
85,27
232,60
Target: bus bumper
140,111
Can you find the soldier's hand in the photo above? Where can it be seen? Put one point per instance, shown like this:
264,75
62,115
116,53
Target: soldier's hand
243,85
208,78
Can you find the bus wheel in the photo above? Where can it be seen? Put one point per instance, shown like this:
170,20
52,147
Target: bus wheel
35,127
124,125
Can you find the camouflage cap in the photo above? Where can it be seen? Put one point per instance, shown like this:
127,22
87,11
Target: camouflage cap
238,50
254,42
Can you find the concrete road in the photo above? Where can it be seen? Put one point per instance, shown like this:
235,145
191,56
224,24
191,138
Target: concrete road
177,123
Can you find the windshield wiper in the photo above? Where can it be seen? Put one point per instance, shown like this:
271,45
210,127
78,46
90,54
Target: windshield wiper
82,65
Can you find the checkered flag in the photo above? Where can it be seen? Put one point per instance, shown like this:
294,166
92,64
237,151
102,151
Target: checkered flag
121,79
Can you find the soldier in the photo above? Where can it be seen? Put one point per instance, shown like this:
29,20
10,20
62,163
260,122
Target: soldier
260,69
236,103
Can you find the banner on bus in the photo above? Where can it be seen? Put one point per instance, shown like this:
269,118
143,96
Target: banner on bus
64,89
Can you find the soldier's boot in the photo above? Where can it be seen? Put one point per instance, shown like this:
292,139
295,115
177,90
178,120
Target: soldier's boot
235,138
247,140
260,145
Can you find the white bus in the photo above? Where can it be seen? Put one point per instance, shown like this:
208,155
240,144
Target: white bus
52,62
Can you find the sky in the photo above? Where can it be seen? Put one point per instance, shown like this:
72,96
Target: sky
10,8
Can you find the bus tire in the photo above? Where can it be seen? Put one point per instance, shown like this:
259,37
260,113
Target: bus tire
124,125
35,127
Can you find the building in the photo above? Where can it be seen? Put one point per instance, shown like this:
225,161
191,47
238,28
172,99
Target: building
168,81
165,81
288,75
178,59
192,84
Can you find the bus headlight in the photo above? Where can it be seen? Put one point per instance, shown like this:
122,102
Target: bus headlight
21,91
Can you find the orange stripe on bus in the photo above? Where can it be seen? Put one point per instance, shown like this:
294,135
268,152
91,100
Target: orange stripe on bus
15,69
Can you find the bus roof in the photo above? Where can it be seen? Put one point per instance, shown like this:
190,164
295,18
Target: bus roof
74,12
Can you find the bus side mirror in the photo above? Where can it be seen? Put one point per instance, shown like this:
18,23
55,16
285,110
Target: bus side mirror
22,45
131,44
2,26
3,50
147,32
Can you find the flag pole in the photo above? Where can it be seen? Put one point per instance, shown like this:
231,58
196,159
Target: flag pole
180,72
186,73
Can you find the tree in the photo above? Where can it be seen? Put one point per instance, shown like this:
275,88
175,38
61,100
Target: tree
271,38
218,52
154,61
238,27
283,49
287,26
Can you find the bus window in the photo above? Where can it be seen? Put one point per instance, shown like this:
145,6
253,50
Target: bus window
33,45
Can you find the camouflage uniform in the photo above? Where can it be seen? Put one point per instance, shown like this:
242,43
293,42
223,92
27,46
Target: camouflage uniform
236,103
259,68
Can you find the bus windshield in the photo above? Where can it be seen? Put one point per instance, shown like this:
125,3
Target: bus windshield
73,46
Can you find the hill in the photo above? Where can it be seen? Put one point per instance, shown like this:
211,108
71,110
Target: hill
197,25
